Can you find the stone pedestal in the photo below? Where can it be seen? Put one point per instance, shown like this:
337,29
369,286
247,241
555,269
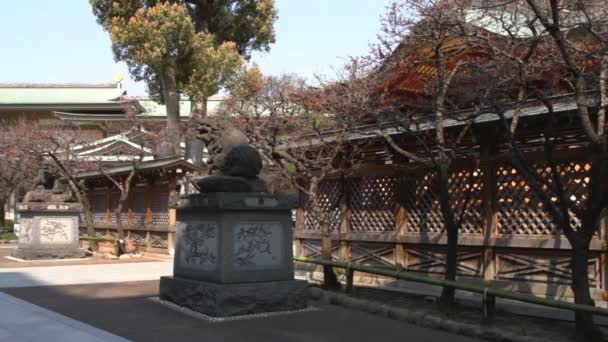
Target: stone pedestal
234,255
48,230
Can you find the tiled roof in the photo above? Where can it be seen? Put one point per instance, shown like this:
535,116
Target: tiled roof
53,94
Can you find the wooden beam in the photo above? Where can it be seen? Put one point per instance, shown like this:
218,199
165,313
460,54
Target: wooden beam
439,239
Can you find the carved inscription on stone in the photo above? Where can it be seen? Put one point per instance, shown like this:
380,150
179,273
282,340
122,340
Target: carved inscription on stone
257,245
55,230
199,245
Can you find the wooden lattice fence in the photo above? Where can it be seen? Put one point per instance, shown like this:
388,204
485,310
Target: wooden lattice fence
391,219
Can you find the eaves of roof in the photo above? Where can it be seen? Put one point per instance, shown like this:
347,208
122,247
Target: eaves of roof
388,128
81,117
167,163
108,106
59,96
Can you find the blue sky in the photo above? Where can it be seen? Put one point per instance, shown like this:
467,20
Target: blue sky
59,41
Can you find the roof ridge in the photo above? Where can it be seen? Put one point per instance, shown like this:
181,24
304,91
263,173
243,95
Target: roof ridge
59,85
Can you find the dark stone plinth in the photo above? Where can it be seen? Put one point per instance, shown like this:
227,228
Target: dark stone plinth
42,254
49,230
234,238
224,300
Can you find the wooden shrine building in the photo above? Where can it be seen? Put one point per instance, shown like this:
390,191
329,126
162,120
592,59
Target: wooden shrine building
148,220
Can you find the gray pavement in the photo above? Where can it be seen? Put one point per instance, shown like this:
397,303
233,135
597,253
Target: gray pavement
83,274
110,302
124,309
23,321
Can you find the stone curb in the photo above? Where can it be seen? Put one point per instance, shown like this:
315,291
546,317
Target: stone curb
422,319
8,242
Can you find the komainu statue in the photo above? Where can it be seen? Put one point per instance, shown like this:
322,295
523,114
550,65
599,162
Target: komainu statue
235,165
49,186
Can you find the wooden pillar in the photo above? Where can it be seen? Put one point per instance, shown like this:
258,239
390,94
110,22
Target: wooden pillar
129,243
108,206
173,198
346,225
400,230
149,197
490,207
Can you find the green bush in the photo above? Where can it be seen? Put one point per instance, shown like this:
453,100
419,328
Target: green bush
8,236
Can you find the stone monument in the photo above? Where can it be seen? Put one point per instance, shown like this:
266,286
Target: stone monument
233,253
49,219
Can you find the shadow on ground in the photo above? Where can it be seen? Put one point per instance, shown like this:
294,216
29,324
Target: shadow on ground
124,309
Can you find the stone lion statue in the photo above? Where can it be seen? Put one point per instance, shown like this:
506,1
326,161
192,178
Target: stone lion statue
235,165
49,185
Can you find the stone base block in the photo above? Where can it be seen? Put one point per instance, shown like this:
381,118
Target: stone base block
45,254
224,300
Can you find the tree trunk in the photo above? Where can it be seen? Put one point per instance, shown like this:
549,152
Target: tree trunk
88,219
586,329
451,228
171,145
79,190
119,227
194,146
330,280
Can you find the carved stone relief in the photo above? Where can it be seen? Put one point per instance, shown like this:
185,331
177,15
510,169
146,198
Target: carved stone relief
199,245
257,245
56,230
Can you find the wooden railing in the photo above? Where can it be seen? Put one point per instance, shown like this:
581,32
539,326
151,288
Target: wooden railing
489,294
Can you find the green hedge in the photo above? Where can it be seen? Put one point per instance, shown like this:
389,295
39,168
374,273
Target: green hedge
8,236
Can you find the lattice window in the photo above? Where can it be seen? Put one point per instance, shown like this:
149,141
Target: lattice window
160,209
575,178
328,198
372,203
140,208
423,207
422,203
465,188
159,239
100,232
520,211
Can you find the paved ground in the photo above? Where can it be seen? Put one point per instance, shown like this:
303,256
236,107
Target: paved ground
83,274
108,300
123,309
5,250
23,321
